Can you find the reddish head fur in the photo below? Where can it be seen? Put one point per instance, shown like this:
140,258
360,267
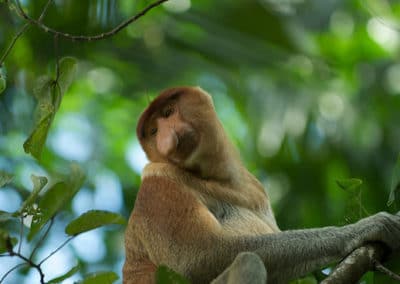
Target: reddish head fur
156,105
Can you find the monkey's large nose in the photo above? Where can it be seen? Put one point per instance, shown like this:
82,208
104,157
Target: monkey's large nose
167,141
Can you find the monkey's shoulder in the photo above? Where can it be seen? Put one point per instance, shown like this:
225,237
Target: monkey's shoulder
164,185
164,170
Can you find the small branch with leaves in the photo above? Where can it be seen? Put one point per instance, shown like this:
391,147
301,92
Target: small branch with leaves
42,210
58,34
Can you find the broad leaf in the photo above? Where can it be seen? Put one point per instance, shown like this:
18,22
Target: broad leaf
5,216
350,185
5,178
6,242
56,198
76,178
354,207
66,275
92,220
3,79
165,275
395,185
38,184
52,201
100,278
67,73
35,142
49,94
42,89
306,280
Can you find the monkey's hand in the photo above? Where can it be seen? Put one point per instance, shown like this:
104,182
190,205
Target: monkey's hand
382,227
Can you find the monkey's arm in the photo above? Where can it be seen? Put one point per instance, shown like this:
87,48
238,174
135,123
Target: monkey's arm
180,232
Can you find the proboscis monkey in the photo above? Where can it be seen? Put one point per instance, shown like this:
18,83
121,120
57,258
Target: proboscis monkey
198,207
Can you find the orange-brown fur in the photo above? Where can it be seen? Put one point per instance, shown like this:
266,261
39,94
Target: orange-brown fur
198,207
175,210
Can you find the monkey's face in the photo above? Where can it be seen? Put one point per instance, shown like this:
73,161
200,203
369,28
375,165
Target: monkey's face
172,127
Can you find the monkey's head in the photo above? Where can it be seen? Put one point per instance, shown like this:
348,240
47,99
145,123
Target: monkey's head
181,127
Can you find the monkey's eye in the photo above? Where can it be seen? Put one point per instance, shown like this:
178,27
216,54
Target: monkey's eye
153,131
168,112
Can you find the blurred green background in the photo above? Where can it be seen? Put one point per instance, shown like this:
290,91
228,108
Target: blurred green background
308,90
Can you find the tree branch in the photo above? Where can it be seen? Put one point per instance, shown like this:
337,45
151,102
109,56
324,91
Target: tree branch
84,37
39,243
389,273
21,31
57,249
31,264
11,270
14,40
356,264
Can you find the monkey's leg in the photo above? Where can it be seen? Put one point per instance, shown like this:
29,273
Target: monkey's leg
247,268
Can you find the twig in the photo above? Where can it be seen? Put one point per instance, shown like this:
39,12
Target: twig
11,270
31,264
42,238
56,250
44,11
21,232
21,31
388,272
14,40
100,36
57,58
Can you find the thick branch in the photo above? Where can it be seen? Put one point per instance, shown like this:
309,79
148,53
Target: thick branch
356,264
103,35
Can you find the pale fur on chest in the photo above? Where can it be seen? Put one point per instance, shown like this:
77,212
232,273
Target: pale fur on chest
233,218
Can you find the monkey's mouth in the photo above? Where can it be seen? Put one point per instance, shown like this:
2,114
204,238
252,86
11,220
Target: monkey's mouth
187,143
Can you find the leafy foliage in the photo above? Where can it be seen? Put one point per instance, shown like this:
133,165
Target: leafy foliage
165,275
100,278
6,242
92,220
66,275
49,94
46,207
38,184
395,186
5,178
309,100
355,209
3,82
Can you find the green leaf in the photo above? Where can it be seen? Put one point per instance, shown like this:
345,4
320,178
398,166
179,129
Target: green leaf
5,178
100,278
42,89
350,185
306,280
395,185
6,242
76,178
49,94
354,207
52,201
5,216
56,198
67,71
165,275
3,80
38,184
68,274
35,142
92,220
